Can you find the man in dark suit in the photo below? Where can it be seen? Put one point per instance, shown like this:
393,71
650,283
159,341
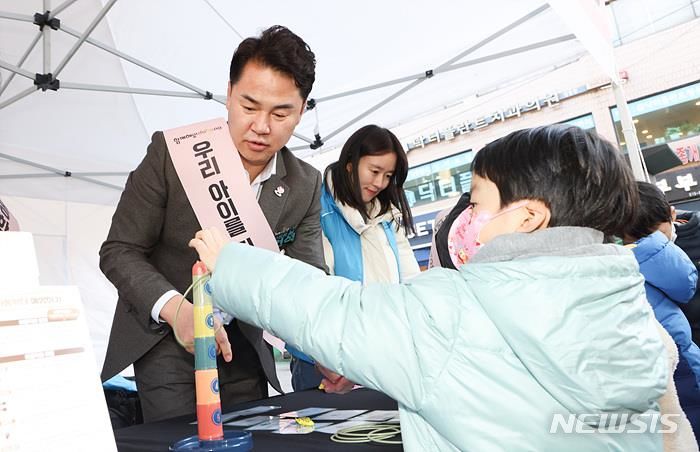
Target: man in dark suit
146,255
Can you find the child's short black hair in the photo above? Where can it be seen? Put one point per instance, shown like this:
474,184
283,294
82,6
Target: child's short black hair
653,210
582,178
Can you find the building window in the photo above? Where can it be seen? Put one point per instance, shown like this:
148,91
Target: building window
663,118
634,19
448,177
585,122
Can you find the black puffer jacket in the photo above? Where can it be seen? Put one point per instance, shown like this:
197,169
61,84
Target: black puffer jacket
689,240
443,229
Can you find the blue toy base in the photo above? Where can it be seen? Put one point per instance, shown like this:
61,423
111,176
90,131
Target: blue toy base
233,440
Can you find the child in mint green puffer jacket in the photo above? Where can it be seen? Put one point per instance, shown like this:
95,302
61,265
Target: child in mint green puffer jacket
544,342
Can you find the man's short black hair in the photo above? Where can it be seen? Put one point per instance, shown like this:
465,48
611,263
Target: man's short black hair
653,210
279,49
582,178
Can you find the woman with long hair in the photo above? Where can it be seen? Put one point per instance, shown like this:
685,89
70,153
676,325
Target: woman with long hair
365,219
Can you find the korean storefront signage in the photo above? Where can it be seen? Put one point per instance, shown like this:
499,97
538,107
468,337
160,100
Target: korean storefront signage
501,115
682,183
687,150
448,177
424,230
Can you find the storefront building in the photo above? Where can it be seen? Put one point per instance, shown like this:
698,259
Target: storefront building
662,75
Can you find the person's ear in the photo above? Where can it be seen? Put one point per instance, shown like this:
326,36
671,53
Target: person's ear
229,87
536,216
348,167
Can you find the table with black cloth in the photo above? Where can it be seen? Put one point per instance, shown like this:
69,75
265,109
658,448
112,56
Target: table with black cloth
160,435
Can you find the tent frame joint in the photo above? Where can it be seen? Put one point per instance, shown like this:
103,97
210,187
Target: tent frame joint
318,142
208,95
46,81
42,20
310,104
429,73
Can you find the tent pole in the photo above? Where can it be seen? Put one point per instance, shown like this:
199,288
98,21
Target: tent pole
13,16
19,96
33,164
141,64
202,93
303,138
99,182
442,67
29,176
16,70
396,81
630,133
21,62
374,108
452,67
47,41
128,90
59,172
495,35
83,37
511,52
223,19
86,174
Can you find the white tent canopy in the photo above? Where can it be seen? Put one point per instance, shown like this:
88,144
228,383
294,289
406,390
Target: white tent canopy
419,56
469,49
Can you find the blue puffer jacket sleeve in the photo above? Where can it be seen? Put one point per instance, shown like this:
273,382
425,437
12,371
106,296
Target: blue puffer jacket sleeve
666,267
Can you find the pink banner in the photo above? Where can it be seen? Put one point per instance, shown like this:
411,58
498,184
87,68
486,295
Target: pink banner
216,184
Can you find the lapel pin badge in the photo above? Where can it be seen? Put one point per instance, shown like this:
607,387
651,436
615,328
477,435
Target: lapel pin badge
279,191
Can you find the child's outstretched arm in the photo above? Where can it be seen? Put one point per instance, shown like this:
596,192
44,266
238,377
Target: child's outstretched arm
365,334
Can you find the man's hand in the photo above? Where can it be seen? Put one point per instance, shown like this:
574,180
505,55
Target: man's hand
184,326
208,243
333,382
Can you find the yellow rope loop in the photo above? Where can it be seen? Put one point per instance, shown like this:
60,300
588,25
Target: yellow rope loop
177,311
365,433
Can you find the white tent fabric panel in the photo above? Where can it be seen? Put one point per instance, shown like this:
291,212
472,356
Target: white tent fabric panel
357,44
67,239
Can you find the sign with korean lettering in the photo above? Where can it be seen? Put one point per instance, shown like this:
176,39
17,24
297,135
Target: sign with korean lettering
424,225
216,184
500,115
687,150
446,178
681,183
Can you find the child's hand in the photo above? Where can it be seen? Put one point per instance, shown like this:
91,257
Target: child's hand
208,243
333,382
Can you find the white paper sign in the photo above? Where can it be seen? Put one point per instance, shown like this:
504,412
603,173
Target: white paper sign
50,392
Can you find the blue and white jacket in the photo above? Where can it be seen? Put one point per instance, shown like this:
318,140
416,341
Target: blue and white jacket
670,278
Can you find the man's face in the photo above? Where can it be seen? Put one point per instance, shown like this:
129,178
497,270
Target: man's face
264,107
